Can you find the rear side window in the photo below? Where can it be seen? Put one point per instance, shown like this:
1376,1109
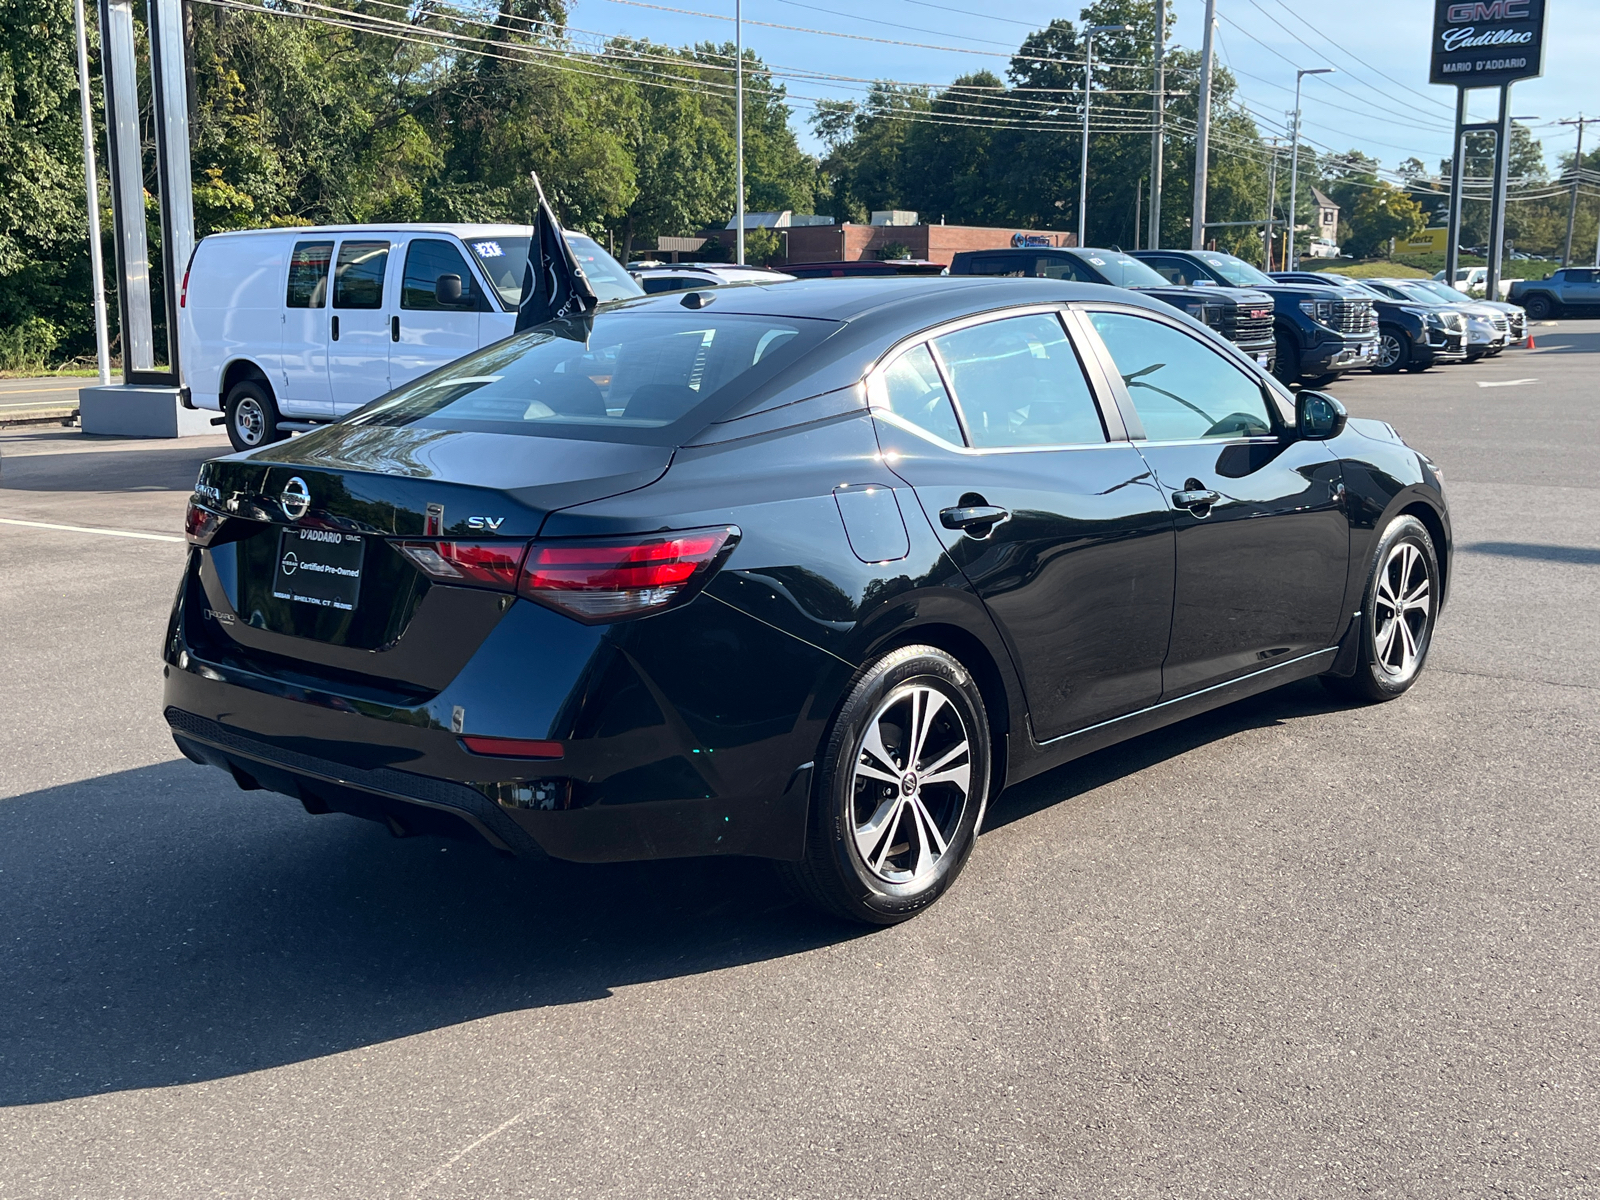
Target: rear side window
358,275
1174,270
427,262
308,275
1000,264
913,390
1019,383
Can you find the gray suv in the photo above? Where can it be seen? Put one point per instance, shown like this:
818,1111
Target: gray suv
1567,291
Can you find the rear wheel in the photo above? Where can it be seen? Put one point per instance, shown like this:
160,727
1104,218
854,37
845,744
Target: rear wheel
902,779
1538,308
1394,350
1397,615
252,417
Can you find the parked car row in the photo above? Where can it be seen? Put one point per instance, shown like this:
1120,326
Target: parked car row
362,310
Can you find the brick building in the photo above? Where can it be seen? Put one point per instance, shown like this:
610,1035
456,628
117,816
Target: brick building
934,243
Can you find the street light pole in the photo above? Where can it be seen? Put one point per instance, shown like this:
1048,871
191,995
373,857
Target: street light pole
97,271
1083,165
738,121
1294,160
1159,105
1202,135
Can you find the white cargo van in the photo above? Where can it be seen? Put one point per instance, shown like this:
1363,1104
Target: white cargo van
281,329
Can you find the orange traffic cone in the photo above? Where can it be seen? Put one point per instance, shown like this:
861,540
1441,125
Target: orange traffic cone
1529,345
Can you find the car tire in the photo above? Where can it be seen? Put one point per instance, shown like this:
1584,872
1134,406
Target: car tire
887,836
1398,611
1538,308
1286,368
251,415
1394,350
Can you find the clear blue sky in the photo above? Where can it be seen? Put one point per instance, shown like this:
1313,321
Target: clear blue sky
1379,115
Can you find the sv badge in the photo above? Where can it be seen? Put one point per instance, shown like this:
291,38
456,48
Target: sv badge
485,524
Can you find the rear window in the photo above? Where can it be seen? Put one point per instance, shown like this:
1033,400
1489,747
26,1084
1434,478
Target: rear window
505,259
638,377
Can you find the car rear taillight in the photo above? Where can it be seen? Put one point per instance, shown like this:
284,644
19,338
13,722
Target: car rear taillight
609,579
502,747
200,524
478,564
183,293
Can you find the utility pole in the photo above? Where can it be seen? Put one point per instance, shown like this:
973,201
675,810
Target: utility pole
91,178
1202,139
1497,201
1272,202
1577,174
1159,109
738,121
1292,257
1083,166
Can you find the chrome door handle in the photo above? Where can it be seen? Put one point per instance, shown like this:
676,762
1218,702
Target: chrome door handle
1196,499
972,516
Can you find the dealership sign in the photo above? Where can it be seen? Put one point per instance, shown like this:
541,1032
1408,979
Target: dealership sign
1487,43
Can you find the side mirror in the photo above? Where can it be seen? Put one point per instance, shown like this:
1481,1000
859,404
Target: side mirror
447,289
1318,417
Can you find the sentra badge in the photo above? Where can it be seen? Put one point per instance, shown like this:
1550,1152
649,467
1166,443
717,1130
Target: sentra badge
296,498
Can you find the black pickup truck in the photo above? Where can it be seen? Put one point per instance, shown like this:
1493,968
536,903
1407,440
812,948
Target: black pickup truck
1242,315
1319,336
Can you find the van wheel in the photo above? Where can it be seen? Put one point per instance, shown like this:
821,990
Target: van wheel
252,417
899,793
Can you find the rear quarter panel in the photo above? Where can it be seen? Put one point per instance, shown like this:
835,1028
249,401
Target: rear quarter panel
234,310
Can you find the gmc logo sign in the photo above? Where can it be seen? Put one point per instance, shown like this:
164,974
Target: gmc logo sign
1496,10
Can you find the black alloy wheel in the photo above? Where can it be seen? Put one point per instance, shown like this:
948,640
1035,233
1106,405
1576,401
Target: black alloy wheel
1394,351
1397,615
900,788
1538,308
252,417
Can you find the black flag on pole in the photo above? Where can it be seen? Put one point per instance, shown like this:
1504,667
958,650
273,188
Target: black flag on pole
554,287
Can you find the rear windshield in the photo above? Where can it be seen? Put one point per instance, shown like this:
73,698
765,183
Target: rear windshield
639,375
505,259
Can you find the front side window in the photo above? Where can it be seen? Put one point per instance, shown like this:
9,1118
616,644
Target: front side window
358,275
1181,388
637,373
913,390
428,262
308,275
1019,383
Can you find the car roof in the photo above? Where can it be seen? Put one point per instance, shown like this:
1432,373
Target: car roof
920,299
459,229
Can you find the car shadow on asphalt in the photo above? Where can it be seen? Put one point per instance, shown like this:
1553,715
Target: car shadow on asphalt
162,928
1306,698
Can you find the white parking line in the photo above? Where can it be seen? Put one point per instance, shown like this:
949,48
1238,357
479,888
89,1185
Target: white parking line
1504,382
127,533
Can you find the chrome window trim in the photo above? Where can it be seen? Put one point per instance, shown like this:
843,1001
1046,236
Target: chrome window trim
877,404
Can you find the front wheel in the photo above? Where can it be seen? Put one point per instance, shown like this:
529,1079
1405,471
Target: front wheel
1287,364
901,784
1397,615
1394,351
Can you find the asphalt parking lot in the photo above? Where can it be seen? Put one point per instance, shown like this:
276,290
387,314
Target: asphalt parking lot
1288,949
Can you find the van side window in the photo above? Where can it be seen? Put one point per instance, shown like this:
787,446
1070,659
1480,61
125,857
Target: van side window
358,276
427,261
308,275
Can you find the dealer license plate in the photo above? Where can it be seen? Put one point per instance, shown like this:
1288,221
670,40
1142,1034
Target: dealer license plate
1261,360
319,566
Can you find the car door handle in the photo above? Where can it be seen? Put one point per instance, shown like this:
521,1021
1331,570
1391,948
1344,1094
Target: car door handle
335,328
394,329
1196,498
972,516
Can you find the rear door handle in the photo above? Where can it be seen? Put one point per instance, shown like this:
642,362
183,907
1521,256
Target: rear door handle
1196,499
972,517
335,328
394,329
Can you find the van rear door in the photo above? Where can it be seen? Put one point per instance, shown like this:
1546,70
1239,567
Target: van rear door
359,328
440,309
303,386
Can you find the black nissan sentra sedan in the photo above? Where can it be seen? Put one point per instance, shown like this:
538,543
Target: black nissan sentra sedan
808,571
